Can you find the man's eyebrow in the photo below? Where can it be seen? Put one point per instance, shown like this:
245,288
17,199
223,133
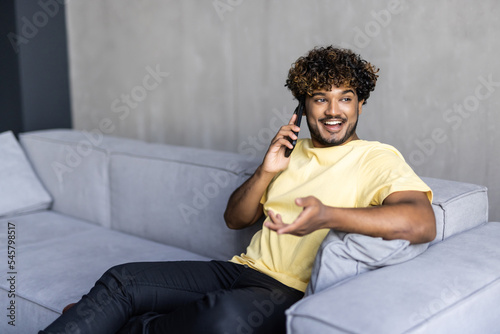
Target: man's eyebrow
342,93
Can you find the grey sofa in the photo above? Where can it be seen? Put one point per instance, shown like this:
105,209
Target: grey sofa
84,202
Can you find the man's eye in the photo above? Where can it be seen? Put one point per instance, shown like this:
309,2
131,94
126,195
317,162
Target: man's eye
346,99
320,100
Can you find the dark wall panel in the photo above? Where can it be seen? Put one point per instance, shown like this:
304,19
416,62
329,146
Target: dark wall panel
35,44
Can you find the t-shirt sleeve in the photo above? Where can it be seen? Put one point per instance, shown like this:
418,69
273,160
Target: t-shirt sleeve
384,171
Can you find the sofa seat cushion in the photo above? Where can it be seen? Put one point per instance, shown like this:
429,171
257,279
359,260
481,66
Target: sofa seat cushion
439,291
59,258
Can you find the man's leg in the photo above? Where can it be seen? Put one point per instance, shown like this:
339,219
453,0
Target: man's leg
255,303
134,289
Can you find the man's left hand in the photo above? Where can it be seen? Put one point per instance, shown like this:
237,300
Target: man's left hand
311,218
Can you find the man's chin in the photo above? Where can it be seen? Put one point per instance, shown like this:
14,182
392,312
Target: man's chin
330,142
334,139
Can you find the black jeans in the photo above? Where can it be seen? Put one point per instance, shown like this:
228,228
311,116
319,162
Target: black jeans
180,297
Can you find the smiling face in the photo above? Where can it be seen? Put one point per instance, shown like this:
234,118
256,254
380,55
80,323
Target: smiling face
332,116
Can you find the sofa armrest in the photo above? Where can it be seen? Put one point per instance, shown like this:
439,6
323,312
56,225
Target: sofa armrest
457,279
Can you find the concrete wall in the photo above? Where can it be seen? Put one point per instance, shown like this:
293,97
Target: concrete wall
211,74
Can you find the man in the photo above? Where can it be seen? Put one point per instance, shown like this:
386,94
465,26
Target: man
332,181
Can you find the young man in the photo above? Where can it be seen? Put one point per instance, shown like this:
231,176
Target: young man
332,181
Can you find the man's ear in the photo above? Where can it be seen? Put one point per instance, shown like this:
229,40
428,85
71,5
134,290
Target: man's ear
360,106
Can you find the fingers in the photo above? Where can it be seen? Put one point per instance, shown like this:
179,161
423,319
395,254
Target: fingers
275,223
285,135
306,201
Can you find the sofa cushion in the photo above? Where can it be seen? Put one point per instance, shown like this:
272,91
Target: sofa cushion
344,255
458,206
102,179
187,193
74,170
59,258
21,188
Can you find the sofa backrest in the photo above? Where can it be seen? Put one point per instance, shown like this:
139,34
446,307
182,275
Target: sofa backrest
458,206
177,195
170,194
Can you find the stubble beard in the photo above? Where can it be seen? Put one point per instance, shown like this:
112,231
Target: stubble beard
315,134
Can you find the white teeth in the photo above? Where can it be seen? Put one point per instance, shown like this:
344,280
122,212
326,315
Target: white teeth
333,122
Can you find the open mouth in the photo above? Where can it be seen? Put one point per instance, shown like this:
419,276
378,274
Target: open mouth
333,125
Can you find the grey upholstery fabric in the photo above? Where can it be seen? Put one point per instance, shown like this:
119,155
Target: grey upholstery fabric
447,289
104,186
183,205
21,190
344,255
170,194
73,171
458,206
60,257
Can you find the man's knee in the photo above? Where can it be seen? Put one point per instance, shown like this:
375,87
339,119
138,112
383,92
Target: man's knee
112,284
118,276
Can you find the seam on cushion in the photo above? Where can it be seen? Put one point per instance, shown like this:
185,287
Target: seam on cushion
108,189
456,304
20,295
59,141
292,314
445,211
183,162
445,223
468,193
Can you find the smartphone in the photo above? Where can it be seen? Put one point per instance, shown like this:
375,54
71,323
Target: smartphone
298,111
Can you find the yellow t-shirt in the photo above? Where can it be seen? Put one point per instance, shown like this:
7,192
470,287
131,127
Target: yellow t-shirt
358,174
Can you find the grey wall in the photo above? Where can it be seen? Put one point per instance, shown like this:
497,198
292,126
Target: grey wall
220,69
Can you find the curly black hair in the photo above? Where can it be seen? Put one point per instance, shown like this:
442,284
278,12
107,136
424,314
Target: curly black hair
324,67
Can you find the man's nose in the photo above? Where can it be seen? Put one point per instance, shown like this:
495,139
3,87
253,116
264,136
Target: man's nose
332,109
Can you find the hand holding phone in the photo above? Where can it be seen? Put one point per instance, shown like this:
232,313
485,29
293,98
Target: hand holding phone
298,111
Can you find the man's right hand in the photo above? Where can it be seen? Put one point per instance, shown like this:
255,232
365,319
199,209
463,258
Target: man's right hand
275,160
244,207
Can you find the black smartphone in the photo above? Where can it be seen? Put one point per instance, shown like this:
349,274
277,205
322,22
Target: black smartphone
298,111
